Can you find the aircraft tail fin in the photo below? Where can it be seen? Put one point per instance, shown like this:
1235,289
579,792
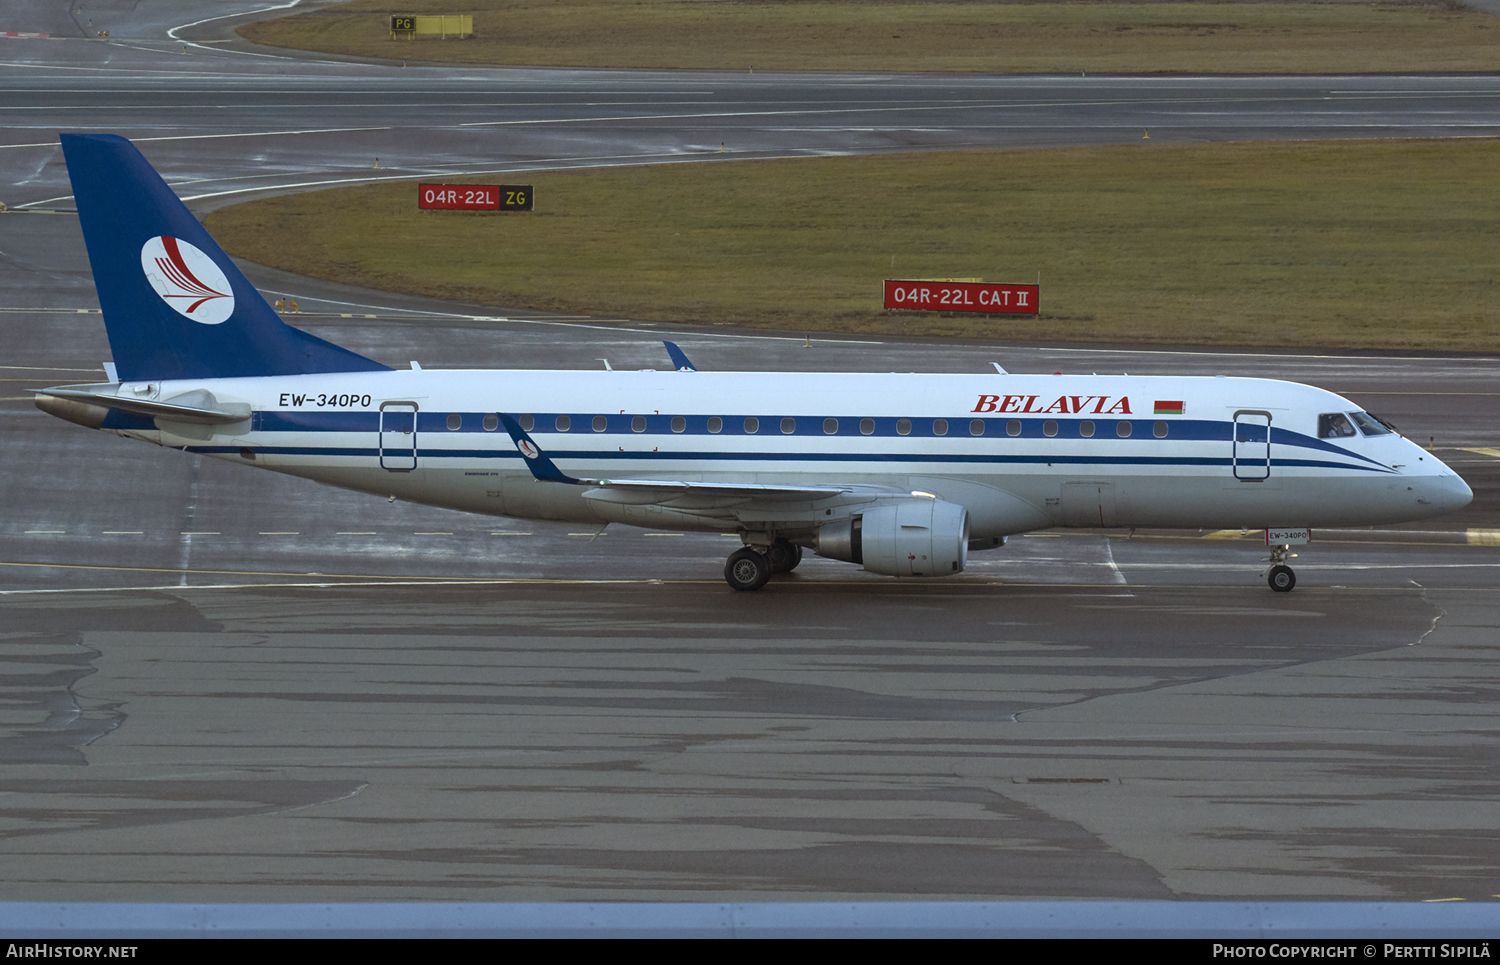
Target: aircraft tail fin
175,306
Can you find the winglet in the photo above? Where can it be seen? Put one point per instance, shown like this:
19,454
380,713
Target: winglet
679,358
541,467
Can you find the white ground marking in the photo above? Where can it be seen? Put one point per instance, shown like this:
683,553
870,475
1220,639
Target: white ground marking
211,137
44,368
1109,556
172,33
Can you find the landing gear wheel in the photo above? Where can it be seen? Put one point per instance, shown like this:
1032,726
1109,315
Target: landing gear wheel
784,556
747,570
1282,579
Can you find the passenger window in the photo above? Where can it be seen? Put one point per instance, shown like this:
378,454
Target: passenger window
830,426
600,423
492,422
563,423
867,427
903,427
940,427
455,422
1368,424
752,425
1160,429
1122,430
715,424
527,422
679,424
1013,427
1334,425
788,426
638,424
1086,429
1049,428
976,427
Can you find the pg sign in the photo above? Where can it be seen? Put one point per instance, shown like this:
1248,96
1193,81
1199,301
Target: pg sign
475,197
961,296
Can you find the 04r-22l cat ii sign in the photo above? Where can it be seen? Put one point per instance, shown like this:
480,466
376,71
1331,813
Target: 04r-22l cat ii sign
903,474
961,296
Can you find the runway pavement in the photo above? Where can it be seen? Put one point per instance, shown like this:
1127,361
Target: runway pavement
228,685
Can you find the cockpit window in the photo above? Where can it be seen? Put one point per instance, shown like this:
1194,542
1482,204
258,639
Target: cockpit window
1368,424
1334,425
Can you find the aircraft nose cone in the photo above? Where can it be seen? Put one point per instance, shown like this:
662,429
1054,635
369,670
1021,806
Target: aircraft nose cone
1454,493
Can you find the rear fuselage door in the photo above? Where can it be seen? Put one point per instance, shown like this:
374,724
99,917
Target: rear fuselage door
1251,460
398,436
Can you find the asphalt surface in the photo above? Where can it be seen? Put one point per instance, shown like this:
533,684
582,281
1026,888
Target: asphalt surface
223,684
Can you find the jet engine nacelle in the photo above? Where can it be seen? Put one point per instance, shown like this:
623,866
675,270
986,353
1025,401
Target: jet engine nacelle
908,537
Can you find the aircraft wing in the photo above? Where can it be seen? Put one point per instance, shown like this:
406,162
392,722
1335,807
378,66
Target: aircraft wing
675,494
670,492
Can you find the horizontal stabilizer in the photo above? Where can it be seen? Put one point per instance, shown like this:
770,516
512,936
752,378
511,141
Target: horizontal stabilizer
198,407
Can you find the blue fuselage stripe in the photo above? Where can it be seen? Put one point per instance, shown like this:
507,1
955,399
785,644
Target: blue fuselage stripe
792,457
1105,431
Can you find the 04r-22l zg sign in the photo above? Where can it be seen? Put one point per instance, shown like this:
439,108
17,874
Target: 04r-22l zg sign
961,296
475,197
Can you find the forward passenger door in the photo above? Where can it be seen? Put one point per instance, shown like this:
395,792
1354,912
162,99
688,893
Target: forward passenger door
1251,452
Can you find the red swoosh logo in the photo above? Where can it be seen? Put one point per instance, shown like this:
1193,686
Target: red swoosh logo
176,269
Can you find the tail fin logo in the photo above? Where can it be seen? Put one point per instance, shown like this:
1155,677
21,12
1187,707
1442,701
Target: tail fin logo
527,449
187,279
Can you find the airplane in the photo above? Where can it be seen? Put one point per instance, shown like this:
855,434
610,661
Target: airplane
903,474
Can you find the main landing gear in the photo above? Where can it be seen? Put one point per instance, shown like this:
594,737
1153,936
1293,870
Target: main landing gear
1280,576
749,568
784,556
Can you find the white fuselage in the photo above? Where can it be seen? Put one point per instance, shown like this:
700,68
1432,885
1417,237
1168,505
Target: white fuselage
1019,452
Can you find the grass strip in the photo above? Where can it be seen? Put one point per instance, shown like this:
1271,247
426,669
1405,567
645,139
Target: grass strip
1221,37
1391,244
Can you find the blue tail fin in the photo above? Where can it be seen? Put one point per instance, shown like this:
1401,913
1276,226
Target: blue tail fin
174,305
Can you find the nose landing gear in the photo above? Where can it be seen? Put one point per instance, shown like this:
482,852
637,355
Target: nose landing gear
1280,576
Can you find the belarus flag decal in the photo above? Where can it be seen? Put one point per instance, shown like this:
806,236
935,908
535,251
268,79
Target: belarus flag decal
1168,408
